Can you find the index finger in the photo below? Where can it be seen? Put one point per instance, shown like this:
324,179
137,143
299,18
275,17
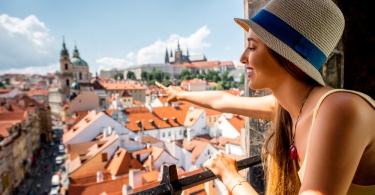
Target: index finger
160,85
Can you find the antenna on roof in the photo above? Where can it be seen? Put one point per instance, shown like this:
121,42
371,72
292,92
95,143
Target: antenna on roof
161,120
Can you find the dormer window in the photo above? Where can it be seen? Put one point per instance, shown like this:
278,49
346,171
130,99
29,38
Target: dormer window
151,122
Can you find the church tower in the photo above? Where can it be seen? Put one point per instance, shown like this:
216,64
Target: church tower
65,75
178,55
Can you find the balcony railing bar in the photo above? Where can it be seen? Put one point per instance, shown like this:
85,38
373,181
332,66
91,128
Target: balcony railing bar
170,184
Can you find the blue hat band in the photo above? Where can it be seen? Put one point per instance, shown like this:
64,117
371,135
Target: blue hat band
290,37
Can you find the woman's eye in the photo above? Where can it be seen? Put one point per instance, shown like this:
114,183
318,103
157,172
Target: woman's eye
251,48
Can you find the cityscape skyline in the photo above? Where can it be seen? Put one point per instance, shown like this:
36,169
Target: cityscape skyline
116,34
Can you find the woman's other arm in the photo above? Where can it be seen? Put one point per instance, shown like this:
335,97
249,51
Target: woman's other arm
254,107
226,169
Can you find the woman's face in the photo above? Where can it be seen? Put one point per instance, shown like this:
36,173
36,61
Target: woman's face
263,70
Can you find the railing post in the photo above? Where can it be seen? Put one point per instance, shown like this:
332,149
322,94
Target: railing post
170,179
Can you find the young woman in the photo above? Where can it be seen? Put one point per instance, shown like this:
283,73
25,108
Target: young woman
322,140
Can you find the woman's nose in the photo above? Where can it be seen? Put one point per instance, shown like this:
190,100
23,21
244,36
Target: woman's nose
244,57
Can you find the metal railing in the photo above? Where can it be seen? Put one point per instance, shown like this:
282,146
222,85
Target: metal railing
170,184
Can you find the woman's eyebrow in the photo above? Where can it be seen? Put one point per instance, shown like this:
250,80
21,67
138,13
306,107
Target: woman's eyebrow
251,39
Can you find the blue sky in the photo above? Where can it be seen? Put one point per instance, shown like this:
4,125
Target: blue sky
115,33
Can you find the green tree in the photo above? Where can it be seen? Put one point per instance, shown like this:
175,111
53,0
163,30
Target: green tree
220,85
118,76
151,82
185,72
224,76
130,75
144,75
167,83
157,75
166,76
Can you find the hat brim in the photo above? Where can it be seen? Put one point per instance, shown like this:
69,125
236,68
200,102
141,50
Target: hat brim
281,48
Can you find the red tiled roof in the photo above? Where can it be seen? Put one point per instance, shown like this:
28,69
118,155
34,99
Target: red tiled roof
106,187
43,92
161,117
195,147
81,125
237,121
4,125
115,86
193,81
13,116
89,179
122,162
3,91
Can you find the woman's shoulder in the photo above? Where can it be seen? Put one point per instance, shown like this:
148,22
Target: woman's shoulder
344,100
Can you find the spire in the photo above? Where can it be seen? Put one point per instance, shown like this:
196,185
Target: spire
187,52
75,52
166,56
171,54
64,51
178,46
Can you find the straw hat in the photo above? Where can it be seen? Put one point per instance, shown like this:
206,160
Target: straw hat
303,31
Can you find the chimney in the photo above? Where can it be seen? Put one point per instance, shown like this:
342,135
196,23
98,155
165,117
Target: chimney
110,130
151,163
125,189
189,136
99,177
227,150
148,145
105,134
135,178
174,119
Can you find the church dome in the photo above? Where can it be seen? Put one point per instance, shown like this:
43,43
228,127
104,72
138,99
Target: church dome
77,61
75,85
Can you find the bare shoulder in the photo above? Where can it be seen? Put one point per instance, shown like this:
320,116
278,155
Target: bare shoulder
349,103
347,110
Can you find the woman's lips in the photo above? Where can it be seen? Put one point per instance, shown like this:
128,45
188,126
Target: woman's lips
249,71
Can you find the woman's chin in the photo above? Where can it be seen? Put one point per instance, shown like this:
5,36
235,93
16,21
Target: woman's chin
254,86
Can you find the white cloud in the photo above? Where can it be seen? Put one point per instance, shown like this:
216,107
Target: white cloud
228,48
108,63
155,52
41,70
25,43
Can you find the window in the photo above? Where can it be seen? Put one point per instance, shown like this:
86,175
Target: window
80,75
169,134
66,66
163,135
104,157
180,132
67,82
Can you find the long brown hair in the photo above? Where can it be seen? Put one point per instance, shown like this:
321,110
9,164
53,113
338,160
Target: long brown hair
281,172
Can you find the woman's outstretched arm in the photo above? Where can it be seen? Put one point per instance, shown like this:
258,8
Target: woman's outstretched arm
254,107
